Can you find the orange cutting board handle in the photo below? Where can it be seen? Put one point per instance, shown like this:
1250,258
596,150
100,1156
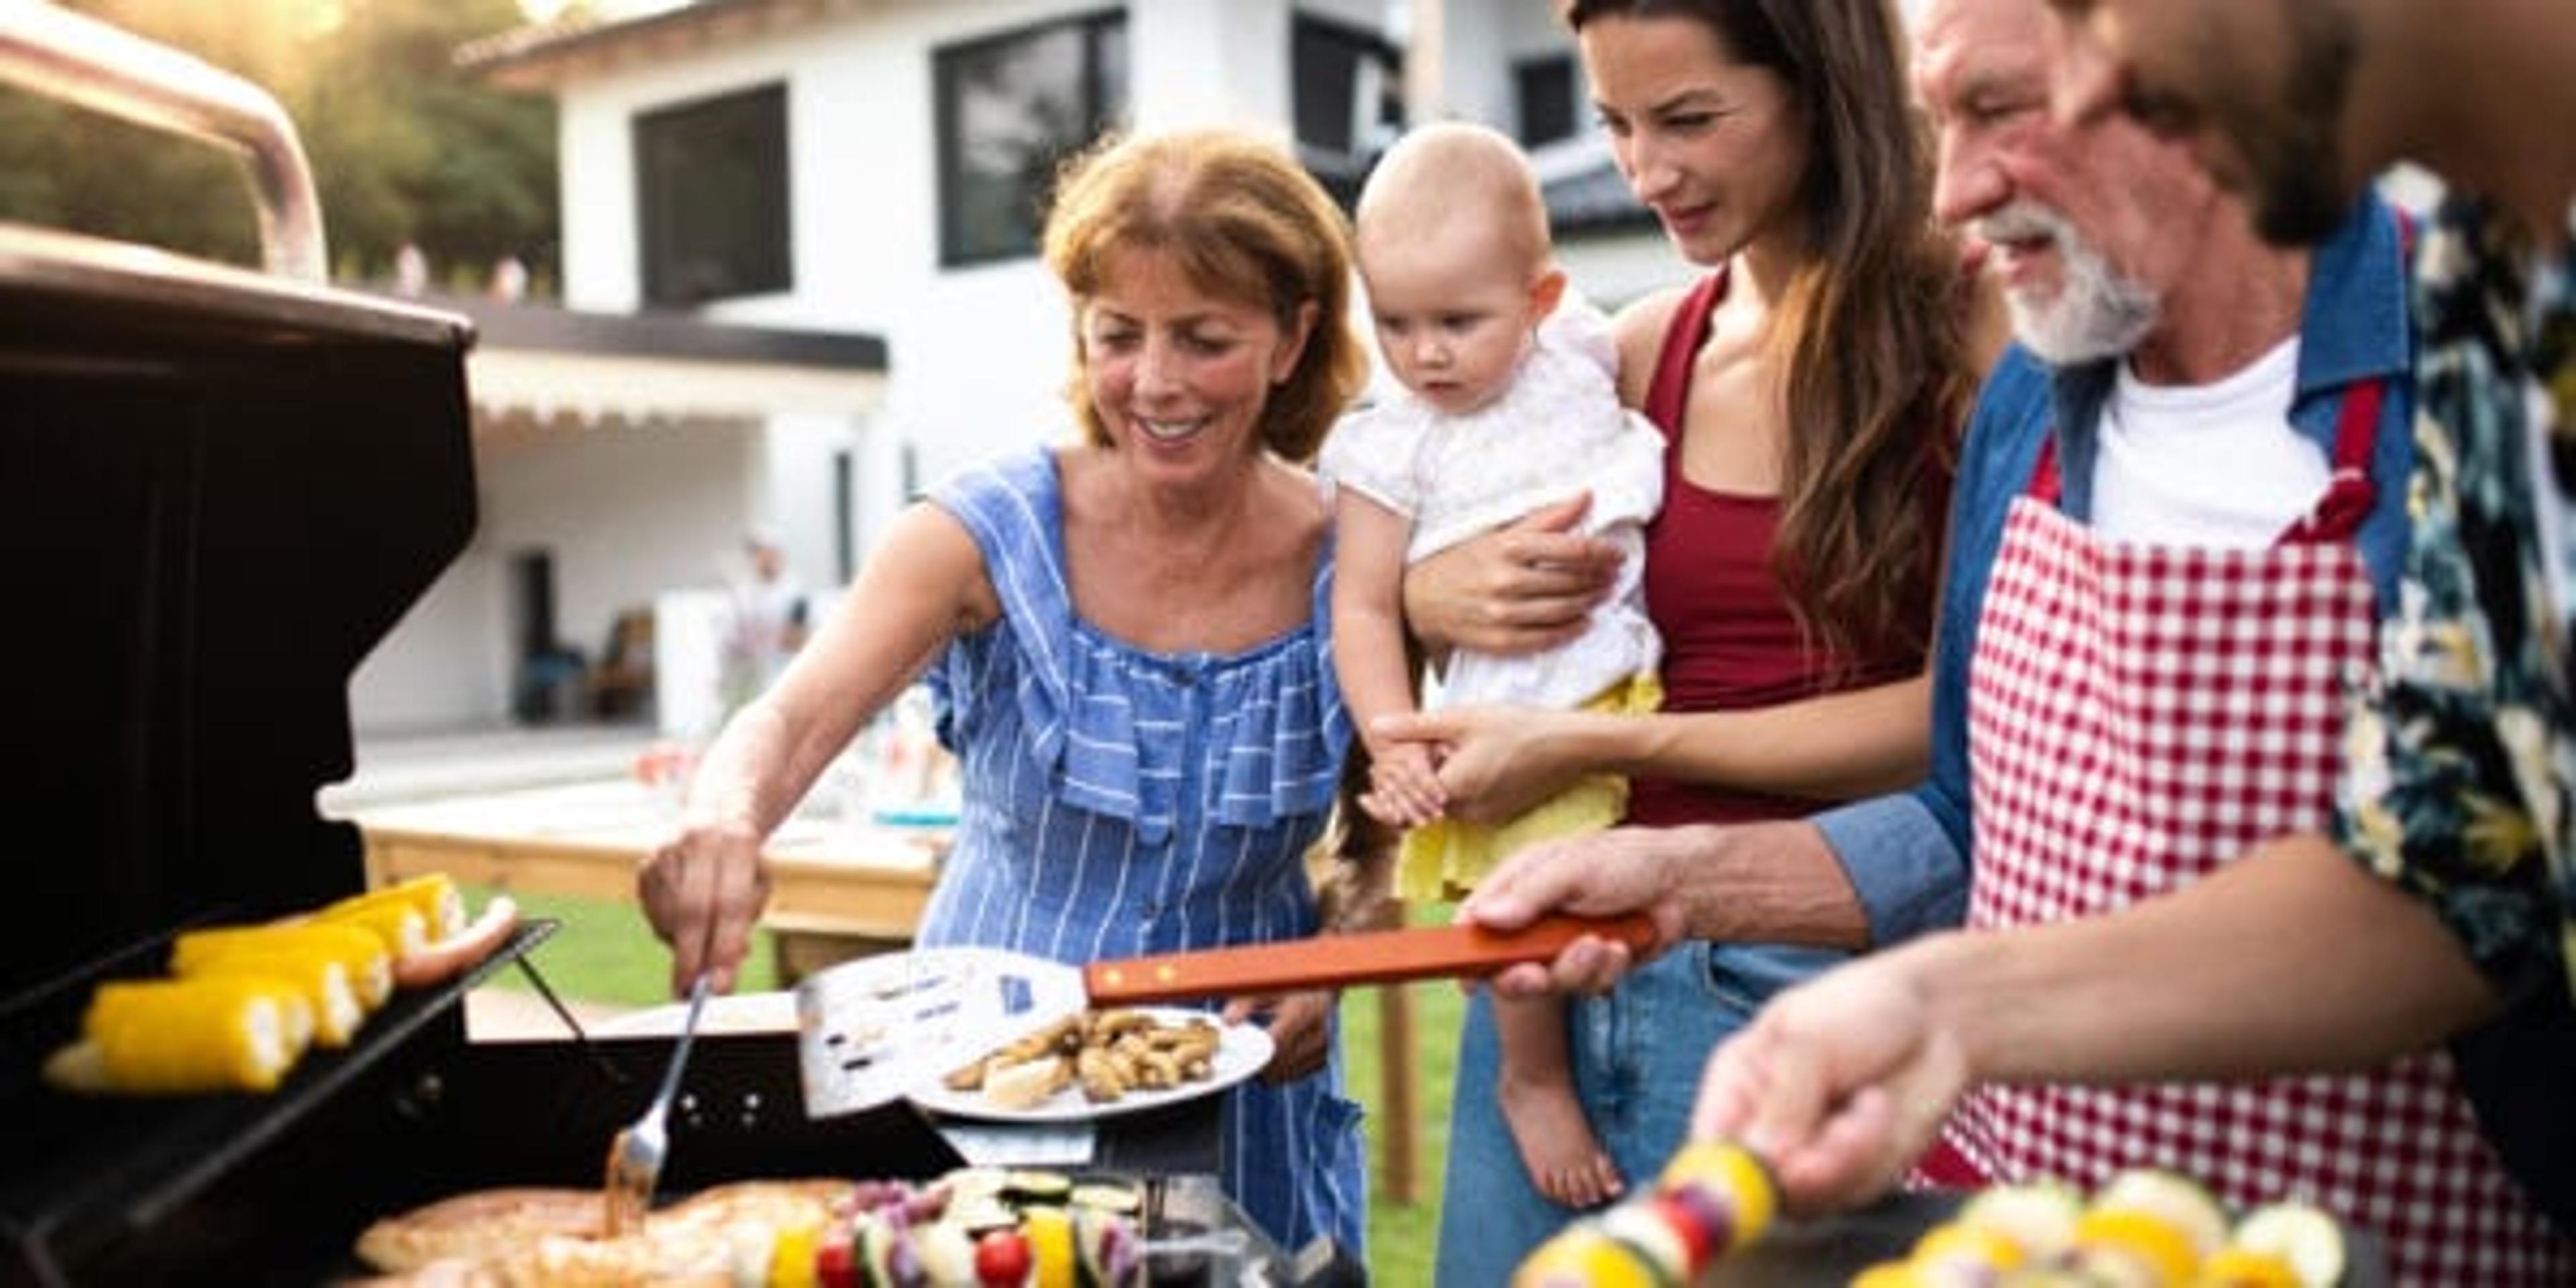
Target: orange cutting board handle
1338,961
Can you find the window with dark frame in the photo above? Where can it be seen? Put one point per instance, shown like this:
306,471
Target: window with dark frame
711,198
1543,92
1009,109
1348,100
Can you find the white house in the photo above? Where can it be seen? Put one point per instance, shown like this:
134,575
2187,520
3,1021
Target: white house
620,459
872,168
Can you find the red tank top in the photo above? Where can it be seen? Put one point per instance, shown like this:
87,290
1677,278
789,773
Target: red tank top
1730,640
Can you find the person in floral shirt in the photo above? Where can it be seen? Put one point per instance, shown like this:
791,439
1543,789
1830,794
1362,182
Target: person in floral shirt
2463,747
2462,755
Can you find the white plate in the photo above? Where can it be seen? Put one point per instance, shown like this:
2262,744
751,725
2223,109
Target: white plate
1241,1051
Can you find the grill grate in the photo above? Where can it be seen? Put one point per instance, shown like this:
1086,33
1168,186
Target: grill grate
85,1172
276,1189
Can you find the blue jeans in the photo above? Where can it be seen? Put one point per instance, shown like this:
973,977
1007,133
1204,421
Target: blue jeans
1637,1055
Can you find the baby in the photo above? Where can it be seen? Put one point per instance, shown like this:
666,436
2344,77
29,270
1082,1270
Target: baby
1509,403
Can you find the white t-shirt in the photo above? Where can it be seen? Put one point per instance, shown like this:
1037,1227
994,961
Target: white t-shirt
2215,465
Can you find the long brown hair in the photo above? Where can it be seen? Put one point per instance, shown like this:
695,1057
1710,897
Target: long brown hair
1873,332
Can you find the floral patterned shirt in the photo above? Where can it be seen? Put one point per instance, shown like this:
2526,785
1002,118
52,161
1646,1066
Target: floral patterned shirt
2463,748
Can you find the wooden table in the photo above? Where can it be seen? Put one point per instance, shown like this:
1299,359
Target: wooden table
836,890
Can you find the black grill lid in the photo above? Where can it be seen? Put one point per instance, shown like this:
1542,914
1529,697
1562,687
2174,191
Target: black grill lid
215,497
218,490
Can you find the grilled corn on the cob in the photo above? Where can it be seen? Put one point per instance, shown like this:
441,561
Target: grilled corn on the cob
433,895
320,977
360,952
395,921
180,1037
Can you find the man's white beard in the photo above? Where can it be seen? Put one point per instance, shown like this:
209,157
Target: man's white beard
2096,312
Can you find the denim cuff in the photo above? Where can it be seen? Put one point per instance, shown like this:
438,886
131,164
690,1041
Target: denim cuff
1909,876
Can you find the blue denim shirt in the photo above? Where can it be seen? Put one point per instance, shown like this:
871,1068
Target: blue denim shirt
1907,854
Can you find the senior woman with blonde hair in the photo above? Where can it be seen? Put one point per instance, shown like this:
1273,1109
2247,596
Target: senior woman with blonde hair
1126,636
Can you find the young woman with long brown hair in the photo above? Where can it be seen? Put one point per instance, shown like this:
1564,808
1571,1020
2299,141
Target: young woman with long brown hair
1810,385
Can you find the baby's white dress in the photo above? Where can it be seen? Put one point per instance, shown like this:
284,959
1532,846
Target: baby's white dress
1557,431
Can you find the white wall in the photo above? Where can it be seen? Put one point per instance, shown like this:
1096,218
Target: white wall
793,484
442,666
628,514
1195,63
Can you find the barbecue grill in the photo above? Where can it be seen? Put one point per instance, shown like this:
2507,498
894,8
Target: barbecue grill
223,487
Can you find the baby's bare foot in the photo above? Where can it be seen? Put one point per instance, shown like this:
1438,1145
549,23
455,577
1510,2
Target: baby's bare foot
1564,1159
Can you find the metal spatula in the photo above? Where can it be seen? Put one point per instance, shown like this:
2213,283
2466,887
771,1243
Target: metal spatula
635,1155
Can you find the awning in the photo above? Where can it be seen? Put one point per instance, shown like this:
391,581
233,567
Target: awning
510,385
537,368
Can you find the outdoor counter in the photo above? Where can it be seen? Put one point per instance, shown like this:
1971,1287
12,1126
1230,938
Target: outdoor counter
837,887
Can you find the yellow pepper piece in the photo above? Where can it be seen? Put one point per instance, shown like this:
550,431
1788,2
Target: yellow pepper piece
1735,1172
1967,1245
2242,1268
1051,1256
1584,1257
1889,1274
791,1256
2166,1251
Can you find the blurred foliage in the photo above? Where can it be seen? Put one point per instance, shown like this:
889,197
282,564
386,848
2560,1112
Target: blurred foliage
404,146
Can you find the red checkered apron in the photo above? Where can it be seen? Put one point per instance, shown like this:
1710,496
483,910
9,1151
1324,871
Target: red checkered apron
2137,716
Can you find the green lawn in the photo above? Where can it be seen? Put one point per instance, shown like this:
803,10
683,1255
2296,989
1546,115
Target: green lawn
1401,1236
604,953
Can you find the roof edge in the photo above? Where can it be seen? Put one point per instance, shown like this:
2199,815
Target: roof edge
541,55
551,328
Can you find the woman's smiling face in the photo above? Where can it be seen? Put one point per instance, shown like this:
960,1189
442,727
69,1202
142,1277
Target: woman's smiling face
1179,377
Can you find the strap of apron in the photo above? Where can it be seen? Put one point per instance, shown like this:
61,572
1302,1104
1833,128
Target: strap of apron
2351,494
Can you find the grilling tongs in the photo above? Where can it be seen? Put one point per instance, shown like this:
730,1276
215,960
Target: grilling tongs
635,1155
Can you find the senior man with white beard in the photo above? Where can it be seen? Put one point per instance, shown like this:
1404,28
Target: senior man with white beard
2179,517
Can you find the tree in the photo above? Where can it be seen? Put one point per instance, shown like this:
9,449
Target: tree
404,147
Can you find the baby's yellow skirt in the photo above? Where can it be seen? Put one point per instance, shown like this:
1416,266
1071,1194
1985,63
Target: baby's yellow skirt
1445,858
